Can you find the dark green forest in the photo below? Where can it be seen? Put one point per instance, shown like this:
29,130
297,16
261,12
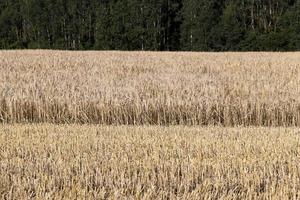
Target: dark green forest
160,25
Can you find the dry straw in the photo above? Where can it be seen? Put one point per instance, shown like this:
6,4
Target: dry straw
137,88
91,162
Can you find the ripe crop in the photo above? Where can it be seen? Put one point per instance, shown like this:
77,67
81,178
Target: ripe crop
143,88
58,108
124,162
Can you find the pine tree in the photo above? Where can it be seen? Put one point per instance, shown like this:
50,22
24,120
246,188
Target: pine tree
229,32
191,25
199,18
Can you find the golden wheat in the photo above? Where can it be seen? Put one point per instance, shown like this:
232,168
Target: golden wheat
123,162
150,88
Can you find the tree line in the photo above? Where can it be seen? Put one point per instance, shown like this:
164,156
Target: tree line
160,25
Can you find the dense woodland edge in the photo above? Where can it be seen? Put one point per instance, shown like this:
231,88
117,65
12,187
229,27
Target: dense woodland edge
157,25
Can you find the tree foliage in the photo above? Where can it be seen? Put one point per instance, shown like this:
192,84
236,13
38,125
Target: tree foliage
189,25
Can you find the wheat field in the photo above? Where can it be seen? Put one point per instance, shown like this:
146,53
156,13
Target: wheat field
149,125
148,88
148,162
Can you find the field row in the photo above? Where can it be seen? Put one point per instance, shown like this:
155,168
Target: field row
94,162
141,88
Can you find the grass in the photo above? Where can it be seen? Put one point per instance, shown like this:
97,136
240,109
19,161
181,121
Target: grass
124,162
147,88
